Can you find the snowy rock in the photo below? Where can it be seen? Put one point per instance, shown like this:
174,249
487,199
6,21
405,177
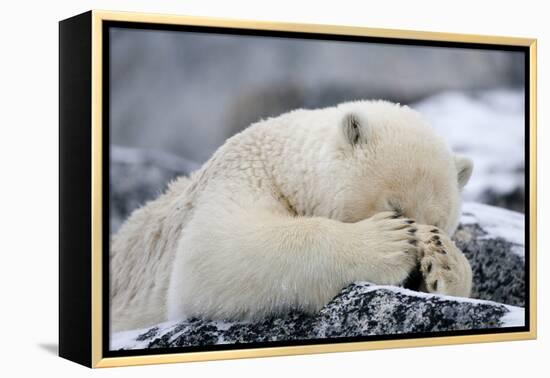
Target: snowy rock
138,176
491,238
488,127
361,309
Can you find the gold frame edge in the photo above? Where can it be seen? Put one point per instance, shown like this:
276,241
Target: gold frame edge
97,195
98,16
533,187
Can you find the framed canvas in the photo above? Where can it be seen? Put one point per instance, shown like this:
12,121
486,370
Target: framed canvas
235,189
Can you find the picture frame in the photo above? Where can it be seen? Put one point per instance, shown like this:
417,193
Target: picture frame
84,235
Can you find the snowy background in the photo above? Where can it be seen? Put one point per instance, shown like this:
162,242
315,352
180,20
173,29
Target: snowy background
177,96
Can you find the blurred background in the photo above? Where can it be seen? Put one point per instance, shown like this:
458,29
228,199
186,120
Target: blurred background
177,96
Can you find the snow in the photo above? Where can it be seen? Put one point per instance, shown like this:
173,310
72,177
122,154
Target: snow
128,339
486,126
497,222
419,294
514,318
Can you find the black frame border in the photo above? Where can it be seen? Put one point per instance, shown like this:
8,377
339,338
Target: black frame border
75,194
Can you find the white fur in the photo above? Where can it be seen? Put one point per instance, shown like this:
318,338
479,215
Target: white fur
285,214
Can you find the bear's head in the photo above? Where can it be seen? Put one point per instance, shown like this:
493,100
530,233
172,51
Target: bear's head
385,157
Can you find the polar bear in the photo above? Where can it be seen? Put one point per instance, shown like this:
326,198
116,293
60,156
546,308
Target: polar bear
291,210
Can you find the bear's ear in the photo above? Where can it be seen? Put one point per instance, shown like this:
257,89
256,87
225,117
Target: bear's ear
464,168
354,129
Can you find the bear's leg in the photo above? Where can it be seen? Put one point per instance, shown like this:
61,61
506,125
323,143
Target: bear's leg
247,264
444,267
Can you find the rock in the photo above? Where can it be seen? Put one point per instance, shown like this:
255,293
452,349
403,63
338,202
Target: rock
138,176
361,309
491,238
488,127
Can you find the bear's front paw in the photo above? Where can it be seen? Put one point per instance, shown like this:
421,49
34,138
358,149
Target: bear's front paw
444,268
390,244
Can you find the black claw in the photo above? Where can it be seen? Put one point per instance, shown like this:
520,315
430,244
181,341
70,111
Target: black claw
409,221
438,243
413,242
412,231
435,286
435,231
396,215
436,237
442,251
414,280
429,268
